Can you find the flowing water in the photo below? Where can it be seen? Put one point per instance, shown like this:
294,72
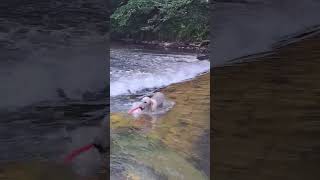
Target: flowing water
53,75
139,148
53,72
46,128
137,72
158,148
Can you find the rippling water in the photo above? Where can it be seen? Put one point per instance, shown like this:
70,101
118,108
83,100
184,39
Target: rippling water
135,151
53,71
53,75
137,72
48,131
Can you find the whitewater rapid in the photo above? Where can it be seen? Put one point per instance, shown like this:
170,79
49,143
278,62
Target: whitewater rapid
135,70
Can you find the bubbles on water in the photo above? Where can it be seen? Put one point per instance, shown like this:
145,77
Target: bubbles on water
133,71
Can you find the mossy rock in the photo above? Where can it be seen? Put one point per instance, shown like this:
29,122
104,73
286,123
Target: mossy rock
152,153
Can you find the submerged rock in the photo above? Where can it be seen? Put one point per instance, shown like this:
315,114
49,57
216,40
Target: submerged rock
169,143
133,153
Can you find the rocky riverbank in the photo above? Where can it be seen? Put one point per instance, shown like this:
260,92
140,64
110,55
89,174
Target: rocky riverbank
201,48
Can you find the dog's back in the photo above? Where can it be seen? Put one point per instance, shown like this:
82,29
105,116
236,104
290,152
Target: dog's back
159,98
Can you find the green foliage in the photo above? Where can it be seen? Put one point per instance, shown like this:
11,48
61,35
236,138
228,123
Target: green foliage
169,20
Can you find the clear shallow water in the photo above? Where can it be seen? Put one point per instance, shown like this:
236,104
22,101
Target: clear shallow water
134,155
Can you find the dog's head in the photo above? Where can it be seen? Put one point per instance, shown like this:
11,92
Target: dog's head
145,103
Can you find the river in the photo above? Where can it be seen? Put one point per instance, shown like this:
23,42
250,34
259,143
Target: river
53,80
143,147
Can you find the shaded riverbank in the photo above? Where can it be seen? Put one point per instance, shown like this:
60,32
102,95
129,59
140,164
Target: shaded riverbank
265,115
178,140
198,47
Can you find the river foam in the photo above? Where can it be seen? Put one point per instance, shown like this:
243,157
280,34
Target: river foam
141,70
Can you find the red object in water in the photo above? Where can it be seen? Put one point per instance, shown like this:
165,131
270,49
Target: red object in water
132,110
77,152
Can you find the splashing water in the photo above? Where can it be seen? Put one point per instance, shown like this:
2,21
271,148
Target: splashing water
136,72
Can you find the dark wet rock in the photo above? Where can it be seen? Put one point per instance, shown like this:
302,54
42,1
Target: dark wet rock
203,57
204,43
180,46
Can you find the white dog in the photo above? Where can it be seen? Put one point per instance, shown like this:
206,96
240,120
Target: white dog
150,104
